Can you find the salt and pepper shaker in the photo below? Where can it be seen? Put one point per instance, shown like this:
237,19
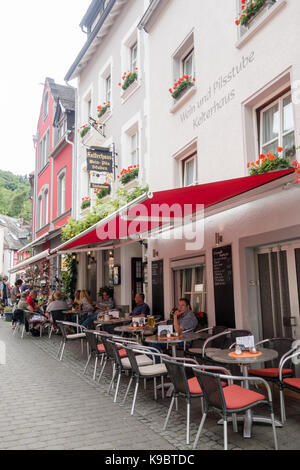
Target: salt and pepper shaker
238,349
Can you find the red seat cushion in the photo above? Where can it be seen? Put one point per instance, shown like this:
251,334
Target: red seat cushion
272,373
238,397
194,386
293,382
101,348
122,353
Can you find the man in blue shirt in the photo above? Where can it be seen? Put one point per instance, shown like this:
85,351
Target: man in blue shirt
141,309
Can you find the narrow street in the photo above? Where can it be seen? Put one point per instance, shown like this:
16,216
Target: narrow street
47,404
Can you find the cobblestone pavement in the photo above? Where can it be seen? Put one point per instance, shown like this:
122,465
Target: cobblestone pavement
47,404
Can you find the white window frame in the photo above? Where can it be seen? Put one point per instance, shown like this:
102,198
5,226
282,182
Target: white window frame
108,89
45,205
282,134
135,150
184,164
40,211
61,193
184,60
134,62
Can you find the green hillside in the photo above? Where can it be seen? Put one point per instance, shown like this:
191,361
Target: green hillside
15,195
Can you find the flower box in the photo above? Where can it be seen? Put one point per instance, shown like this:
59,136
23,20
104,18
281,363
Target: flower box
103,109
86,202
129,174
181,86
251,10
269,163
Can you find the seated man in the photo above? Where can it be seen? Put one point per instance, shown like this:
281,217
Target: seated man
184,319
141,309
105,305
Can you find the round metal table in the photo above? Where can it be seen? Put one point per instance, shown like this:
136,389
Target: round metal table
222,356
134,331
99,323
187,337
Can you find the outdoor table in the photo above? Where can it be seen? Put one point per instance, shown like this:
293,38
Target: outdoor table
134,331
185,337
113,321
222,356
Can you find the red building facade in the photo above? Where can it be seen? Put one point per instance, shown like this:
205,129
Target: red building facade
52,195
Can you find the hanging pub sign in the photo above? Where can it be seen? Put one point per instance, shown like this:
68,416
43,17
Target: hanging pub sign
97,126
99,186
100,160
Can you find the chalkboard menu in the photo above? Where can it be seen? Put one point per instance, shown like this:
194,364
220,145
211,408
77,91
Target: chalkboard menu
223,286
158,288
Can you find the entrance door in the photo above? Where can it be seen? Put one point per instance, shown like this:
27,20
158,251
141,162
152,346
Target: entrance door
279,282
137,278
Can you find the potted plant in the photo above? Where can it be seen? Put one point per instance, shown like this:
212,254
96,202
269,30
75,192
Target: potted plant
8,313
84,130
101,193
181,85
102,109
270,162
202,319
86,202
128,78
129,174
249,9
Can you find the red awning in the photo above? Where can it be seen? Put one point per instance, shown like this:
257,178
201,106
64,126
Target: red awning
152,211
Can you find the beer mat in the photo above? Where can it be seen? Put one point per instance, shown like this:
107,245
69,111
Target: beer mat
245,354
170,337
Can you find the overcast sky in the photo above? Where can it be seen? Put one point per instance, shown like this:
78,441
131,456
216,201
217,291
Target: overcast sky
39,39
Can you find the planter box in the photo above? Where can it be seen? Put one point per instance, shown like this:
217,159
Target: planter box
261,12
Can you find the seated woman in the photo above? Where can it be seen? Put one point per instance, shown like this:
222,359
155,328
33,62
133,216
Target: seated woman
37,319
18,313
76,301
56,306
86,307
106,304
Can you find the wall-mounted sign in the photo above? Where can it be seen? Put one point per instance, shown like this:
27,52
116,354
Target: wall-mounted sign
223,286
100,160
97,126
99,186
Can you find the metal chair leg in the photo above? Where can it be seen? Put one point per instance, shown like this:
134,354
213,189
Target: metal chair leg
188,412
102,370
87,363
59,349
134,397
234,423
169,413
274,431
199,430
282,407
155,389
23,331
225,435
112,381
117,387
127,390
62,352
162,388
95,367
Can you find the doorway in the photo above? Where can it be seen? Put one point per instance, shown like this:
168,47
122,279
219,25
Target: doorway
279,290
137,278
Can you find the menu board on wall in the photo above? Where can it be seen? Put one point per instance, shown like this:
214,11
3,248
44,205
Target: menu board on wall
157,270
223,286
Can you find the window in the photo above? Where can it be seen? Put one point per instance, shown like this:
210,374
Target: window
40,212
188,64
134,148
62,128
188,171
61,194
277,128
44,150
190,283
89,108
45,105
133,57
108,89
45,207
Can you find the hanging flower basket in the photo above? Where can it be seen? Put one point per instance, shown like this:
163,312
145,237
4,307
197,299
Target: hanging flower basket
128,78
102,109
181,85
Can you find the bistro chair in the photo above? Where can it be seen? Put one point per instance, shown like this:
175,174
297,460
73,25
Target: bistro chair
94,349
288,383
21,322
213,336
154,371
230,400
122,363
63,325
55,315
271,372
32,322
